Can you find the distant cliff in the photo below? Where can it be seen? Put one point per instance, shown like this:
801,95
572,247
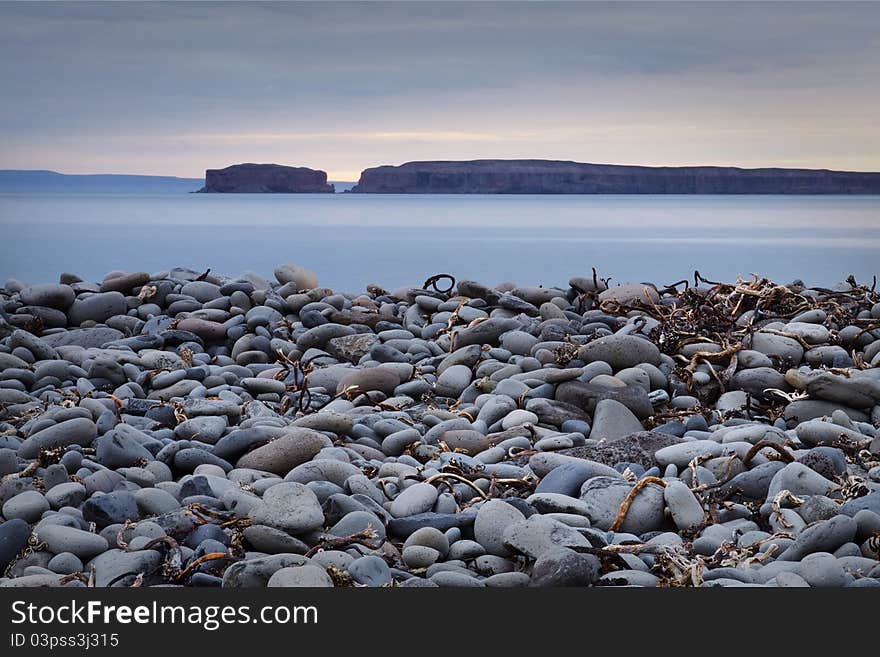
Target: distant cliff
265,178
51,182
557,177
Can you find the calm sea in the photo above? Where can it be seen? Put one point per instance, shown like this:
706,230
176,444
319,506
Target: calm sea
352,240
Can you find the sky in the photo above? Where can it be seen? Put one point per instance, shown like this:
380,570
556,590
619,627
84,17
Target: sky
173,89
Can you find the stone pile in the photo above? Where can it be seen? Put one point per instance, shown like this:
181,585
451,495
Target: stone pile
198,430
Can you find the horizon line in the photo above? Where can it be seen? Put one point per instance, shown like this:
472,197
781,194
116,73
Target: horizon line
342,179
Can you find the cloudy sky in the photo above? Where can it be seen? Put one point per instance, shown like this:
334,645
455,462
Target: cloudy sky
176,88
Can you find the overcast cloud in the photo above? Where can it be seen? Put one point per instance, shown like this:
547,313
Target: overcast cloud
176,88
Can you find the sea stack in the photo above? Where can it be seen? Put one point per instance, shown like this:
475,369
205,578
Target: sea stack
266,179
558,177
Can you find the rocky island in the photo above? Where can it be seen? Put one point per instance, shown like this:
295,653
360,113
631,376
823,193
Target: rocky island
559,177
266,178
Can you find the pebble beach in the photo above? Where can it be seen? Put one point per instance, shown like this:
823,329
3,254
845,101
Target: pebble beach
186,428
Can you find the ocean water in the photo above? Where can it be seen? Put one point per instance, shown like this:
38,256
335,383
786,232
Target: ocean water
352,240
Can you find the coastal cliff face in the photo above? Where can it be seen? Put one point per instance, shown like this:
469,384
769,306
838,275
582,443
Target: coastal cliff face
556,177
266,178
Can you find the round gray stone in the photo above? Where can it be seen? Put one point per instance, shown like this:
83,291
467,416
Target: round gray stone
305,576
493,517
290,506
83,544
417,498
28,506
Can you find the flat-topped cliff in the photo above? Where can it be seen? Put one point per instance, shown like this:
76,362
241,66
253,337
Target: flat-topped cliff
559,177
266,178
